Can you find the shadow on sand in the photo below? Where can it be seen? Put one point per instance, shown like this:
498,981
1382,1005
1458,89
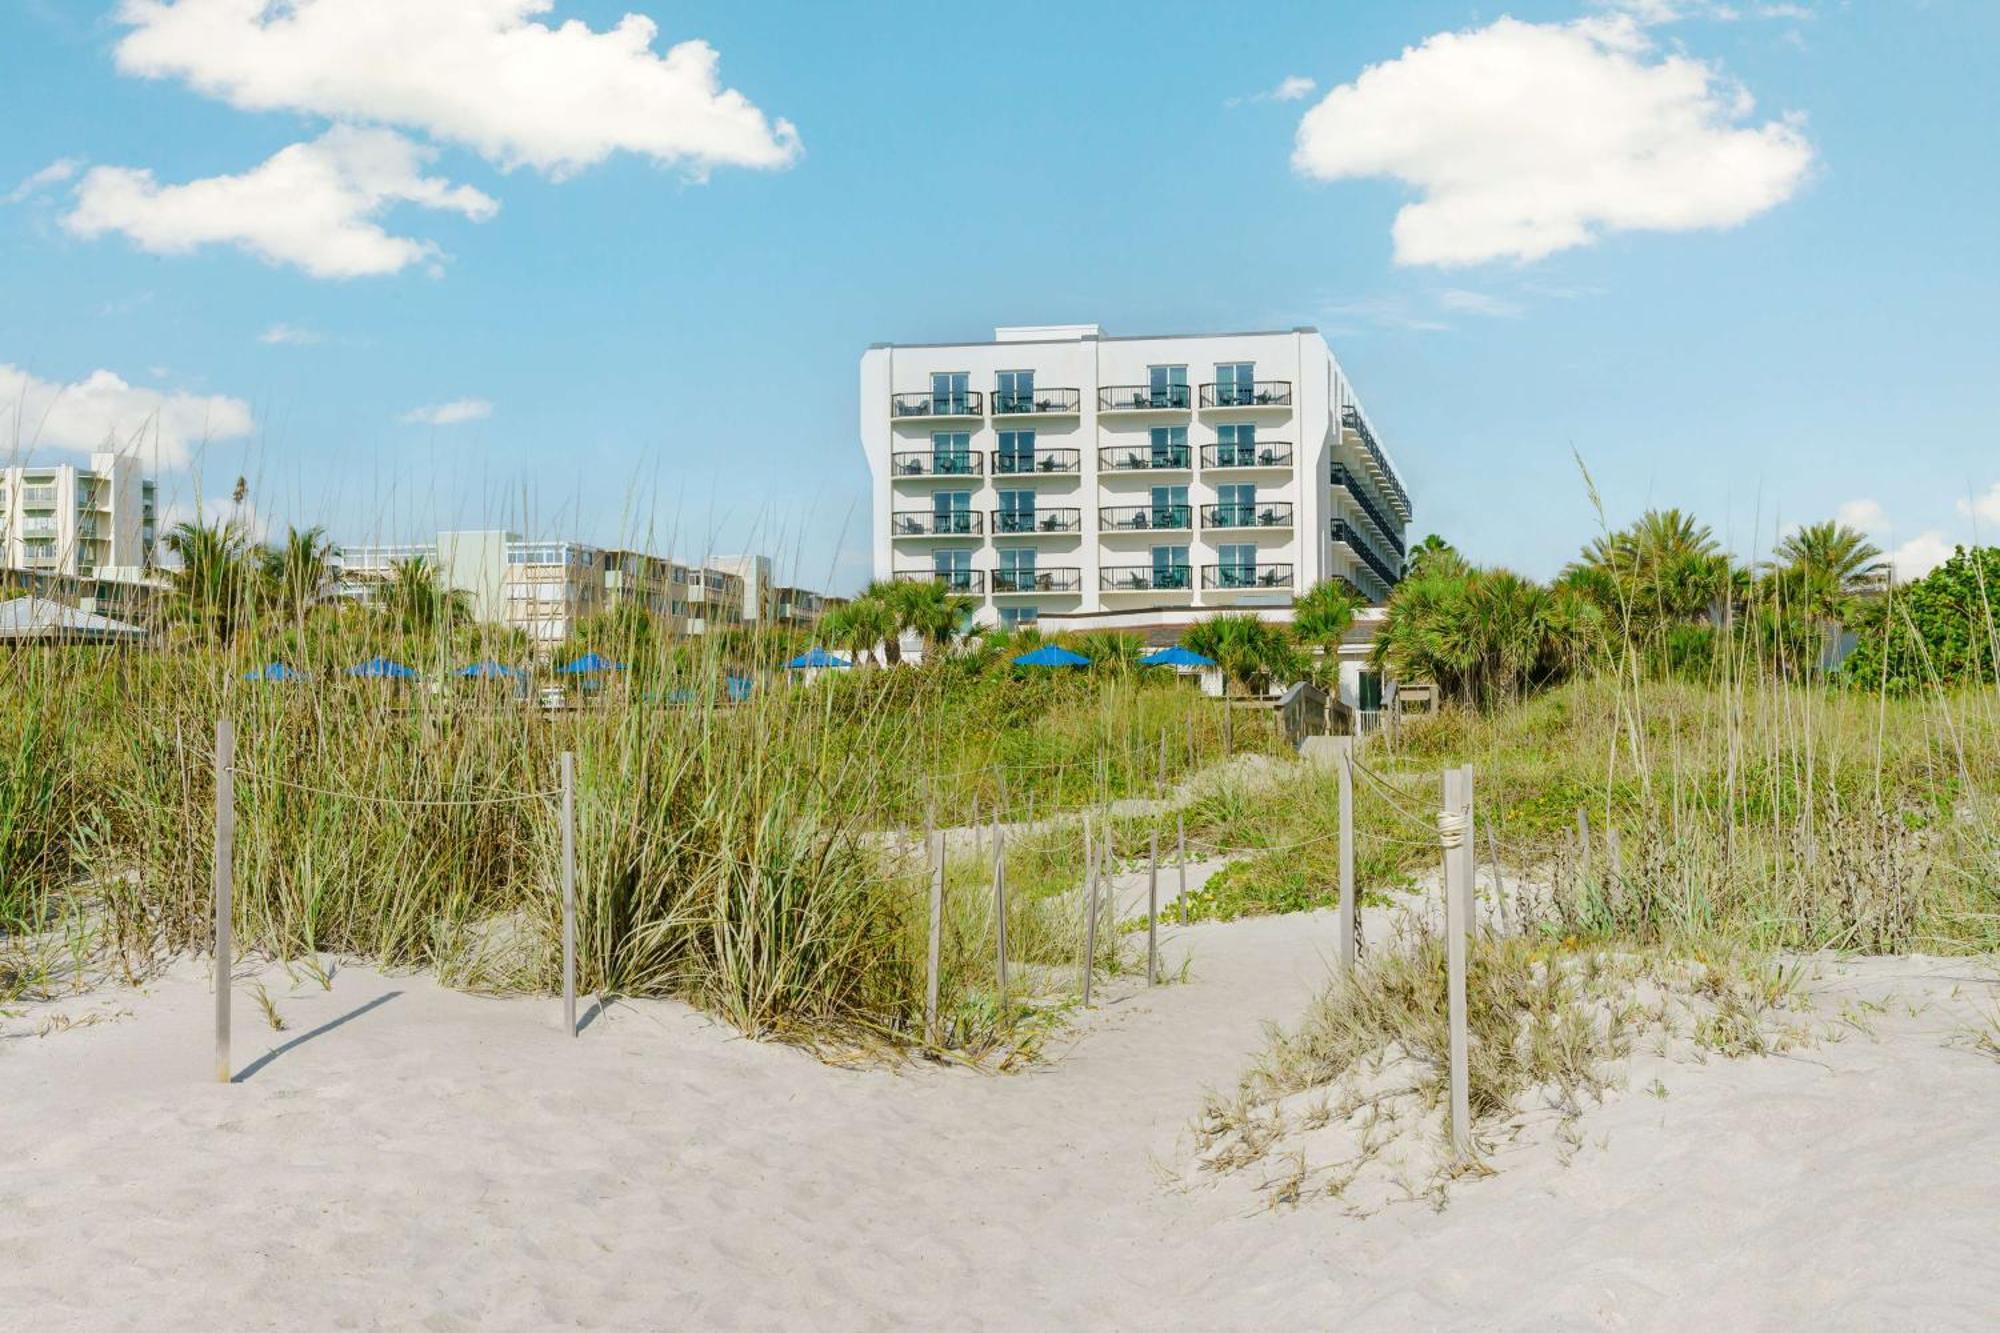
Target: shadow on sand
254,1066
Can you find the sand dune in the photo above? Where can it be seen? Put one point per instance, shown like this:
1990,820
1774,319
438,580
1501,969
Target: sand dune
412,1157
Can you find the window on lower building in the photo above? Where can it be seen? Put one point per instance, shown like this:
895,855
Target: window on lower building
1013,616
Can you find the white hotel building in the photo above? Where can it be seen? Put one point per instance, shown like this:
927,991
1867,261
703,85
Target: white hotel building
1059,474
88,523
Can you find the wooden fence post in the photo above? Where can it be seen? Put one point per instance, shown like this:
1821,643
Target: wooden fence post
1000,907
225,858
1153,910
1451,833
569,890
1471,848
1344,934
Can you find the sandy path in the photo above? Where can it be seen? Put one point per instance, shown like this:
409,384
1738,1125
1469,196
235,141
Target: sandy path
454,1162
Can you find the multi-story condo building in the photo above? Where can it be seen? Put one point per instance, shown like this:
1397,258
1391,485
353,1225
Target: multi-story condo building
94,522
1057,472
545,588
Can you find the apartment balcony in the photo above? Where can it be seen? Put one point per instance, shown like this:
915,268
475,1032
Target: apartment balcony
1040,403
1276,514
1145,518
1145,398
935,406
1145,458
38,497
1263,393
1037,522
1342,477
1041,461
1351,537
1357,426
38,527
932,463
956,580
933,523
1246,578
1146,578
1028,582
1270,454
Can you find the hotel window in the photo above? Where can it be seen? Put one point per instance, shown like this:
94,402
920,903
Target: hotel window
1016,572
1016,453
953,511
951,453
1235,446
1236,505
1170,446
1014,391
1012,616
1170,507
1017,512
948,392
1170,566
1235,383
1167,386
1236,566
953,568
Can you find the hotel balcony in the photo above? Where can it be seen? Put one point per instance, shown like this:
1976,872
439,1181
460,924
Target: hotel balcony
935,463
1146,578
957,580
1145,518
1040,403
1145,458
1037,522
1246,578
1145,398
1263,393
1050,461
1276,514
1342,477
935,406
1030,581
38,497
1233,457
1351,537
932,523
1356,425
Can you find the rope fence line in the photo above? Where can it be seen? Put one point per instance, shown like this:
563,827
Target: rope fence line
510,798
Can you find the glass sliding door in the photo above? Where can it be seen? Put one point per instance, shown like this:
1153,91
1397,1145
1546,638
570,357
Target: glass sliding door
1166,386
949,396
1236,505
1014,391
1169,446
1170,507
953,513
1016,572
1016,453
1016,512
1236,446
951,453
953,569
1235,384
1170,567
1236,567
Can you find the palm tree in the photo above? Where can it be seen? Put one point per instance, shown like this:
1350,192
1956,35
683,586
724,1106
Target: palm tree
931,610
1432,555
213,583
417,600
858,626
1835,556
1484,636
1110,650
1662,571
1250,651
296,570
1324,613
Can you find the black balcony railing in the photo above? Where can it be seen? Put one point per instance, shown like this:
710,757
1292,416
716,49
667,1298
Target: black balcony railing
1342,477
1145,518
1275,514
1144,578
957,580
1259,453
1016,522
1351,418
1144,398
1041,460
1343,531
965,404
1232,577
1145,458
935,463
933,523
1264,393
1064,579
1059,401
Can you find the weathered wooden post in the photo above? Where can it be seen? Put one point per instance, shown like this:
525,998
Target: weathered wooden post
569,890
1471,847
1000,907
1344,933
1451,834
1153,910
225,858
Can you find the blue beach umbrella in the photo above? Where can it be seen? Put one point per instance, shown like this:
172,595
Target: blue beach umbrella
381,668
816,659
488,670
1176,656
274,671
590,664
738,688
1049,655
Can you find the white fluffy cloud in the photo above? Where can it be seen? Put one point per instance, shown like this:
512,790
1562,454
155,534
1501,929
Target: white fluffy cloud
1919,556
102,411
1985,508
1863,515
311,204
55,173
290,335
482,73
454,413
1525,139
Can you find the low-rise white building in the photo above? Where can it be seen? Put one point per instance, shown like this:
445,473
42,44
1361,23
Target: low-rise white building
91,523
1060,474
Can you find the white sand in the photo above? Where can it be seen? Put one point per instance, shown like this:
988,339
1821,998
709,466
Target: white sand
445,1161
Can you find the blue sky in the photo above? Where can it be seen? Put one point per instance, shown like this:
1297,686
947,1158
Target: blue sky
648,306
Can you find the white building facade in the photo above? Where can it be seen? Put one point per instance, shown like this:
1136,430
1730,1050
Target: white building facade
95,522
1059,474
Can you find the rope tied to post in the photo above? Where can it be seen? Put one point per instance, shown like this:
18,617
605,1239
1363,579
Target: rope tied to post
1452,826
